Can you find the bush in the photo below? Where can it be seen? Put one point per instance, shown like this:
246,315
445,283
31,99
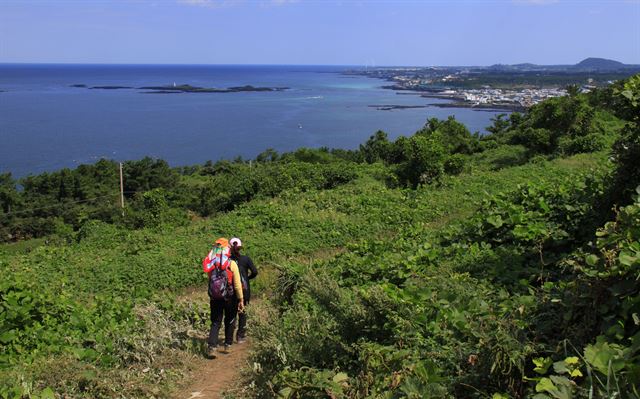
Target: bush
555,122
453,135
241,183
424,158
377,148
590,143
537,140
454,165
626,150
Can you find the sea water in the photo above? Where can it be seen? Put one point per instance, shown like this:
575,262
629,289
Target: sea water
46,124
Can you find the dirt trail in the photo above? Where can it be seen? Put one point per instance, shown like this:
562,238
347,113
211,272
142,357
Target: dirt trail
211,377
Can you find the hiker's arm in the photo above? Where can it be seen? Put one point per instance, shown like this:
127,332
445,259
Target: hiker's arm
252,268
237,283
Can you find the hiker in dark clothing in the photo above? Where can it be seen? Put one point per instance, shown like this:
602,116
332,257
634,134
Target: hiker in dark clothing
248,271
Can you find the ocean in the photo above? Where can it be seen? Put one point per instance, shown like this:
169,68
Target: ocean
47,124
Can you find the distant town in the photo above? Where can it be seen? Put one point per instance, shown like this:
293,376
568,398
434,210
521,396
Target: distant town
509,87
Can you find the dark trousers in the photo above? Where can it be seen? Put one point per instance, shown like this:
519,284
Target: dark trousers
242,318
219,308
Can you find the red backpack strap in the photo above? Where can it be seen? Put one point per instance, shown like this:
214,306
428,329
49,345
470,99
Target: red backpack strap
229,271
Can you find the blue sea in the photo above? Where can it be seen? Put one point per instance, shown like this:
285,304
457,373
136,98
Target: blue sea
46,124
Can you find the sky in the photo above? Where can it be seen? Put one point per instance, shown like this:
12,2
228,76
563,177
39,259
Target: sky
319,32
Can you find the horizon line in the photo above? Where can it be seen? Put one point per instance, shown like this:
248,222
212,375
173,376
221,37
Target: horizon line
2,63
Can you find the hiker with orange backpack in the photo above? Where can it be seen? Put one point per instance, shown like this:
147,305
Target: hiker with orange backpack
225,293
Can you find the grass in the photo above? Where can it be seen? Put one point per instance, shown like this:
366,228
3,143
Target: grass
153,266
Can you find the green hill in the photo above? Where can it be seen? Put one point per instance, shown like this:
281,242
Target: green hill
599,64
438,265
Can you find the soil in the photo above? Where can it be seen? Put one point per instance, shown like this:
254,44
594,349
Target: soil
211,377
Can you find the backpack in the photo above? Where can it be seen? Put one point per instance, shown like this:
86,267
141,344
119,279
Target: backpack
218,265
243,281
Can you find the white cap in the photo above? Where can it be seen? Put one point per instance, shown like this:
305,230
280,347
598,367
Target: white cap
235,242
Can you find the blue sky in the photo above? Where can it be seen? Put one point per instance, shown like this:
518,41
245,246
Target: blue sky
319,32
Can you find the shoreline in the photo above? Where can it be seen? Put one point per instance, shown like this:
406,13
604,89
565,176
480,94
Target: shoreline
482,107
455,99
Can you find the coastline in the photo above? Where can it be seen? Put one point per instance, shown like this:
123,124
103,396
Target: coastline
455,98
482,107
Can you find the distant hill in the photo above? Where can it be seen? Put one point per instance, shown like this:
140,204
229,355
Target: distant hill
526,65
588,64
514,67
599,63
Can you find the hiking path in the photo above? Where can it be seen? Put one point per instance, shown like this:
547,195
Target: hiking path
210,378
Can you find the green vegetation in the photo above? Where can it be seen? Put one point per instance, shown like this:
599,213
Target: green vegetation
529,79
439,265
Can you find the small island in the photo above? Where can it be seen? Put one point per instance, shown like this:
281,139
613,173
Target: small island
111,87
390,107
194,89
184,88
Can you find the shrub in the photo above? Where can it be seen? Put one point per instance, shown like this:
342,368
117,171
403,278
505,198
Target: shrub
454,165
424,158
537,140
376,148
589,143
453,135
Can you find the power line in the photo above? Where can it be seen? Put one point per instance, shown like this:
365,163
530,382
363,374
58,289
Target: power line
66,203
61,204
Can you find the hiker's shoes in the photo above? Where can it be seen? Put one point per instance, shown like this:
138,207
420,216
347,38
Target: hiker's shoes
227,349
241,340
211,352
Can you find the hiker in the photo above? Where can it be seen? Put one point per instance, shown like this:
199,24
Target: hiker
225,293
245,265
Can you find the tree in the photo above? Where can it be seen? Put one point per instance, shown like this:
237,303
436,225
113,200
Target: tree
572,90
515,119
550,122
268,155
424,158
376,148
536,140
626,150
500,124
8,194
147,174
455,137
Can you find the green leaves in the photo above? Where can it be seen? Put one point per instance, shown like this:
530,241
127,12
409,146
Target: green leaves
47,393
629,258
570,366
542,365
311,383
495,221
545,385
557,387
605,357
591,259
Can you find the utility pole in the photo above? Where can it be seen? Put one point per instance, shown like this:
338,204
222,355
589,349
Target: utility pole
121,191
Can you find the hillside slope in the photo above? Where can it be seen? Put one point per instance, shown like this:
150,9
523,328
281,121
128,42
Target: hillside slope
438,265
113,274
